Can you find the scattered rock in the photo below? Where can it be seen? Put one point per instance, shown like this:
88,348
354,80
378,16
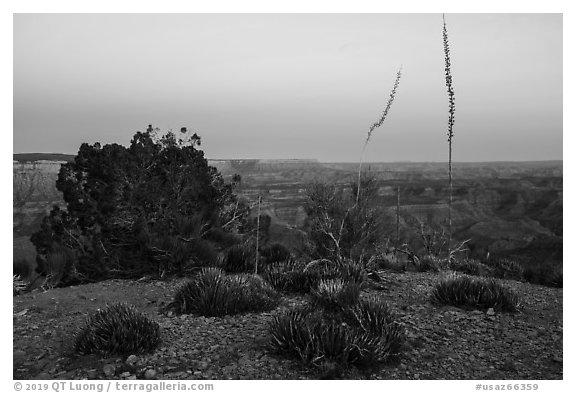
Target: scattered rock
125,374
132,360
441,343
109,370
204,365
18,356
150,374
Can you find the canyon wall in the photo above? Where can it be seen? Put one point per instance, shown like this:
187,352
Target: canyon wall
504,208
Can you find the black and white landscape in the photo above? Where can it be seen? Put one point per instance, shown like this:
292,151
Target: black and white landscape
288,196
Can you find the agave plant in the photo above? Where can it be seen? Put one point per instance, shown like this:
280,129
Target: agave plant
365,335
212,293
482,293
206,294
335,294
291,276
118,329
18,285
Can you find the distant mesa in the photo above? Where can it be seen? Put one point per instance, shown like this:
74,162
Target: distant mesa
34,157
243,166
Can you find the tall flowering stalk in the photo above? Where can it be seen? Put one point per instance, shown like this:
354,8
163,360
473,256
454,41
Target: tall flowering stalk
451,110
257,233
376,125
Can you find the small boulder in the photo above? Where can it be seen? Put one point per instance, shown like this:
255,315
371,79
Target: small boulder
132,360
490,312
150,374
109,370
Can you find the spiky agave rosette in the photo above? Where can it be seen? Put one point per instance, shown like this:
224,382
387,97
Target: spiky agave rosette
364,335
481,293
212,293
18,285
118,329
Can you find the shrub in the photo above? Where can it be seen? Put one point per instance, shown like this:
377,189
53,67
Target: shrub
275,253
324,268
346,269
318,338
556,278
290,334
376,320
206,294
428,263
175,255
18,285
222,237
121,201
297,277
239,258
506,268
252,293
211,293
203,253
22,268
389,262
474,292
291,277
352,271
117,330
60,267
371,315
470,266
338,225
544,275
335,294
332,341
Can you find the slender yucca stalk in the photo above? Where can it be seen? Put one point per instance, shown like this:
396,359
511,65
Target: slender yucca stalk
257,233
376,125
451,110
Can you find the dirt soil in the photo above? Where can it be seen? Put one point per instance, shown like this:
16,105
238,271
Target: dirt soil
442,342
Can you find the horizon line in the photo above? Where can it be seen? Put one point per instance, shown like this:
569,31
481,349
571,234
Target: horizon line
333,162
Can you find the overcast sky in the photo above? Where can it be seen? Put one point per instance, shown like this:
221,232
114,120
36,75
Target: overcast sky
292,85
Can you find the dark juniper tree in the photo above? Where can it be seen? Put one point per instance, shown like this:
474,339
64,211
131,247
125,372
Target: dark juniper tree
155,207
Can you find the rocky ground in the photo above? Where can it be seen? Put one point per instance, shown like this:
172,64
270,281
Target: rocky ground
442,342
